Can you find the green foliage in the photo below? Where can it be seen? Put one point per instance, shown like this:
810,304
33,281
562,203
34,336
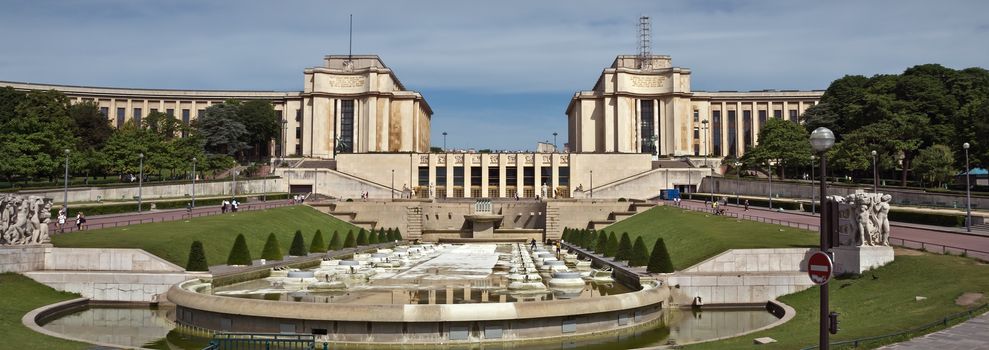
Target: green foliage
640,254
362,237
782,143
935,164
350,242
923,218
318,245
197,258
383,235
222,130
624,251
372,237
566,235
659,261
239,254
161,125
35,129
589,240
298,245
611,248
272,249
602,242
335,242
398,235
261,123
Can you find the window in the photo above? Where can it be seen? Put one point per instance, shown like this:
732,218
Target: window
298,149
716,132
762,119
298,133
793,115
441,176
424,176
137,116
170,112
493,176
475,176
564,176
646,130
697,149
458,176
105,111
747,128
200,113
346,137
528,176
511,176
697,133
697,116
732,133
185,121
546,176
121,114
154,110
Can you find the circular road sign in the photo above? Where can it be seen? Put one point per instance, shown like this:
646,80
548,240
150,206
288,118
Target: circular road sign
819,268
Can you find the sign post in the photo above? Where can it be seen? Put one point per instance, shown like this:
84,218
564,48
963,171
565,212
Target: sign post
819,268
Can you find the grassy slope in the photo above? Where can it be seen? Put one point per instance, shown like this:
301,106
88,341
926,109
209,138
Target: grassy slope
692,237
872,307
21,295
171,240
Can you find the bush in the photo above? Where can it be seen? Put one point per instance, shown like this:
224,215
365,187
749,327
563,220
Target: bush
590,241
566,234
272,250
622,199
640,254
197,258
298,245
239,254
383,236
335,242
624,248
602,243
350,242
398,235
372,238
659,261
362,237
612,247
927,218
317,245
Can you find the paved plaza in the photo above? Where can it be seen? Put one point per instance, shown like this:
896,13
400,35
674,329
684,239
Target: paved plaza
972,334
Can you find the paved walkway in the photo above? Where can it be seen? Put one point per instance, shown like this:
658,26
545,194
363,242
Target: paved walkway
147,216
971,334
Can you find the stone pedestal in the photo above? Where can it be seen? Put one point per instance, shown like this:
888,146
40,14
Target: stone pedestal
483,225
860,259
23,258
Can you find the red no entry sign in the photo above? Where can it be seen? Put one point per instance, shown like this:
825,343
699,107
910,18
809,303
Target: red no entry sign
819,268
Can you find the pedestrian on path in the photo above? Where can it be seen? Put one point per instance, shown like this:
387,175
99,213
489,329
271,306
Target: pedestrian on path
746,205
223,206
62,216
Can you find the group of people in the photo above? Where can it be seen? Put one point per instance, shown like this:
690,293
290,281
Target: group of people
719,207
677,201
63,217
297,199
230,205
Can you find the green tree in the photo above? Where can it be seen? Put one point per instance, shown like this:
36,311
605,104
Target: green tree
318,245
624,251
782,143
398,235
383,236
602,242
612,247
372,237
261,123
35,131
335,242
239,253
935,164
565,236
298,245
659,260
197,258
350,242
590,241
362,237
272,250
163,125
640,254
222,130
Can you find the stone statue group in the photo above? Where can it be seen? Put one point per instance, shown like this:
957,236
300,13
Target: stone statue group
870,213
24,219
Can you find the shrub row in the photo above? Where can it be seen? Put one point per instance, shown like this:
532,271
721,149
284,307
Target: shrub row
609,245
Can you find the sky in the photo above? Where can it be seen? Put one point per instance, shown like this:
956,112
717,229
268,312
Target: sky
498,74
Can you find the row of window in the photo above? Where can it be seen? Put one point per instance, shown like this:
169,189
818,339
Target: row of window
494,176
747,131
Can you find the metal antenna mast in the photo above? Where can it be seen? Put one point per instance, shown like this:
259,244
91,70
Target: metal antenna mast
645,43
350,49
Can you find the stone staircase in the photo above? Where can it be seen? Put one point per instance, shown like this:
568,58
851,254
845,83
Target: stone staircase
345,216
616,216
553,229
414,215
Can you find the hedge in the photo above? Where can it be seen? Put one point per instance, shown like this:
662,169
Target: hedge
239,253
197,258
335,242
298,247
272,249
318,245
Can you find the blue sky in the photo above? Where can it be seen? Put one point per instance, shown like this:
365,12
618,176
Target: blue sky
498,74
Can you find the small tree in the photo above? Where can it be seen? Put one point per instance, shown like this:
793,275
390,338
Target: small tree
335,242
384,236
372,237
298,245
566,234
659,261
350,242
197,258
362,237
640,254
624,248
590,241
602,243
272,250
398,235
239,254
612,247
584,234
317,245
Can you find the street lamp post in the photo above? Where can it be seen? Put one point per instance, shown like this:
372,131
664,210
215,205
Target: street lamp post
233,188
393,184
592,183
194,160
704,127
821,140
770,185
813,201
738,178
875,173
65,192
140,182
554,142
444,141
968,192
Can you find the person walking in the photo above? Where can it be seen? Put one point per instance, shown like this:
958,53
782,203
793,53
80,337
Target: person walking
235,205
61,220
746,205
223,206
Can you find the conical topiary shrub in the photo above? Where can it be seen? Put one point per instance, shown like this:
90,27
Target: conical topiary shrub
372,237
362,237
602,243
591,242
239,254
197,258
272,250
624,248
612,247
298,245
398,235
383,235
640,254
659,261
317,245
350,241
335,242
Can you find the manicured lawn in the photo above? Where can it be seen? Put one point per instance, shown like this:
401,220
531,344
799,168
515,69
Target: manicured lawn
692,237
21,295
880,302
171,240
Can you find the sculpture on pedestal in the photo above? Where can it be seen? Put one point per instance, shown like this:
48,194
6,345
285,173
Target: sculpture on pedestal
868,214
24,219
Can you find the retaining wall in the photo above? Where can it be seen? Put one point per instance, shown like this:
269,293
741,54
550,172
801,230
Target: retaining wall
163,191
742,276
23,258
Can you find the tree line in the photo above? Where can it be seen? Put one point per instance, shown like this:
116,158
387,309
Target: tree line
36,127
917,122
